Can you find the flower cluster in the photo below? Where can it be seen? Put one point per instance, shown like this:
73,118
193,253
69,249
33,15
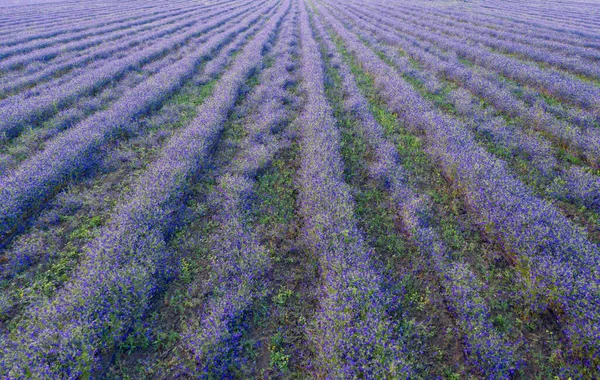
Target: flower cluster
240,263
144,34
487,349
36,104
354,335
72,153
534,149
127,264
562,262
37,32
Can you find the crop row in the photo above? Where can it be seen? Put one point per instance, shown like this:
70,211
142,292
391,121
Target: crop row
506,44
25,108
490,352
559,258
98,57
508,30
48,53
556,18
240,263
556,83
25,260
27,41
355,335
127,264
415,188
62,67
71,154
532,148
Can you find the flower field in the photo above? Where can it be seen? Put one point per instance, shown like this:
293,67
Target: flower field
293,189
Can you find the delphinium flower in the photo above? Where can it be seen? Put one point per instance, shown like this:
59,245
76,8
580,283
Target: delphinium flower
18,259
560,258
538,151
240,263
585,140
101,35
21,109
354,334
564,86
488,350
72,153
129,262
102,52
